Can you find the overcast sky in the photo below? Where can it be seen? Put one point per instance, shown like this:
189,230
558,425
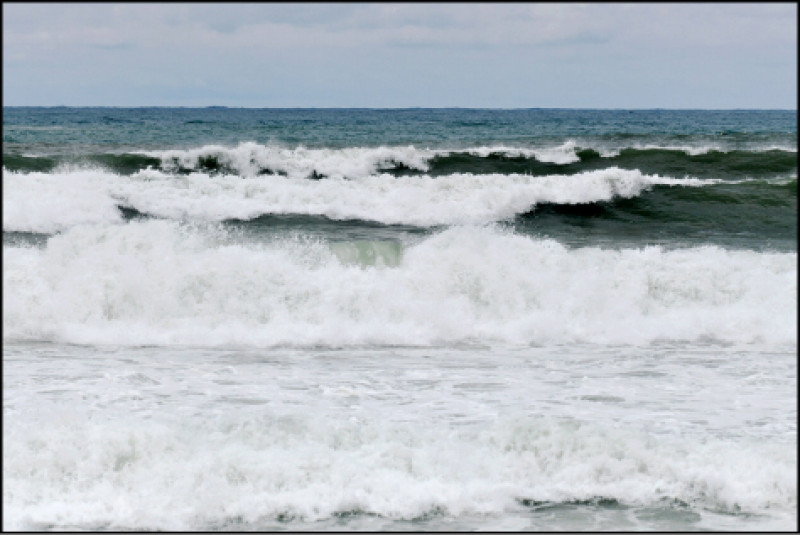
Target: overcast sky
401,55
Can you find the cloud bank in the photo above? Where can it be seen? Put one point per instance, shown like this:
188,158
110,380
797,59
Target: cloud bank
398,55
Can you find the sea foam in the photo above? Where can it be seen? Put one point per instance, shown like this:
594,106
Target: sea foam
51,202
250,159
162,282
197,473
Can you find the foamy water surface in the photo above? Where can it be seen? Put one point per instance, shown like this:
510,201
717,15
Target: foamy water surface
399,320
661,437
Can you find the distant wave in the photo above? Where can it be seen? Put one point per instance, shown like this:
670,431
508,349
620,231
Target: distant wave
252,159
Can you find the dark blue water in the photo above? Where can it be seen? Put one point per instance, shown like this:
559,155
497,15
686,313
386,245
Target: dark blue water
187,127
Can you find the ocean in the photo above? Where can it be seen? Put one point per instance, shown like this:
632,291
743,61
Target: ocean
407,319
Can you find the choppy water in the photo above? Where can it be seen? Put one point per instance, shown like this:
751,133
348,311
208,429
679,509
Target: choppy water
399,319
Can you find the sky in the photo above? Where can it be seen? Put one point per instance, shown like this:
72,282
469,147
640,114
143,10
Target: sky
518,55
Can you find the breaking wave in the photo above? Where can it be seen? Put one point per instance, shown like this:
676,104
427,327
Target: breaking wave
162,282
52,202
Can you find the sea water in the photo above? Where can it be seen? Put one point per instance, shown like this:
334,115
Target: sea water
260,319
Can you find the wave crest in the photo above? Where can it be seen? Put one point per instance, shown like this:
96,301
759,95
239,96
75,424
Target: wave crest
38,202
160,282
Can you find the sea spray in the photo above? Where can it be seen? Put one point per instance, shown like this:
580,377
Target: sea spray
175,284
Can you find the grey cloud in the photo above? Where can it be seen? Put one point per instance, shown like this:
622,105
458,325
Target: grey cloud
427,54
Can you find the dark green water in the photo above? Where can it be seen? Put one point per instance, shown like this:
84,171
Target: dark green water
745,162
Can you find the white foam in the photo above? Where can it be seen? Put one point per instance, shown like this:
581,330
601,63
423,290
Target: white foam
50,202
249,158
694,149
41,202
157,282
559,154
187,474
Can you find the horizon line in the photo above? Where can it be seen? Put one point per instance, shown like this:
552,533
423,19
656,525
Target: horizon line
387,108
